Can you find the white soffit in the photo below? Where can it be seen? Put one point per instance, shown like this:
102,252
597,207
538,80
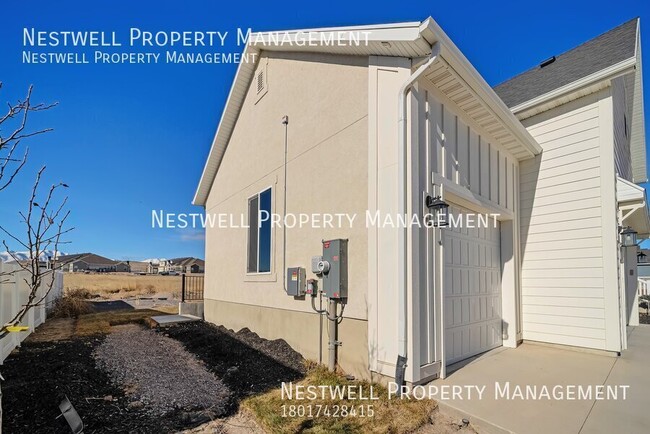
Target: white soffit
633,205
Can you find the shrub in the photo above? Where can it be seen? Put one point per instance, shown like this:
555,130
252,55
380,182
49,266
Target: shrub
72,304
81,293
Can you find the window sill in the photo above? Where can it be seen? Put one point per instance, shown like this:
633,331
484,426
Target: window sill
260,277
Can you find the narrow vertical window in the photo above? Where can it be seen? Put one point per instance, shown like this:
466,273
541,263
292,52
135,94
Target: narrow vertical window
259,233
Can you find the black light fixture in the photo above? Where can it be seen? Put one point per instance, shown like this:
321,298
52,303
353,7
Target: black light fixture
440,210
640,257
628,237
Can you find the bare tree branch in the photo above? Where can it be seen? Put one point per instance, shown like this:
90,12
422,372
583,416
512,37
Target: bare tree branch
39,221
16,119
38,236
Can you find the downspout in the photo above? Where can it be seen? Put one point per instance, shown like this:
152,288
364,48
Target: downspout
400,367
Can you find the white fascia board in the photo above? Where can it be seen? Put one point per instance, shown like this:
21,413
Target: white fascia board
227,122
410,32
399,32
431,31
629,191
608,73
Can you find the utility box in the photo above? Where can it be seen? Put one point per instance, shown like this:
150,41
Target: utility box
296,281
316,262
335,274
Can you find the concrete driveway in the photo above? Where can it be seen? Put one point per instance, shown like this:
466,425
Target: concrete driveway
515,380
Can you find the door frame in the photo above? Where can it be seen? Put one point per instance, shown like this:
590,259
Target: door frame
510,263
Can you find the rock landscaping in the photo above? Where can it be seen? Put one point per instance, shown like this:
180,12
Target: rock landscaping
159,375
136,380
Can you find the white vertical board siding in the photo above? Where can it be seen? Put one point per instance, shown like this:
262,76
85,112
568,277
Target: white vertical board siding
562,235
474,169
474,162
471,158
622,123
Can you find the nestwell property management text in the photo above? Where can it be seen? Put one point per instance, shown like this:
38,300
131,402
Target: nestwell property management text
147,46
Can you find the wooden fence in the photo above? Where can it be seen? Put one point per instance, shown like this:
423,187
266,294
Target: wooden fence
13,294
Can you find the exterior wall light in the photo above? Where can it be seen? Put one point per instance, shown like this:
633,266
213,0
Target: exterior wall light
440,210
628,237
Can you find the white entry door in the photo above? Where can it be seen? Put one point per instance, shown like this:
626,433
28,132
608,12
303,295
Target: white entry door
472,289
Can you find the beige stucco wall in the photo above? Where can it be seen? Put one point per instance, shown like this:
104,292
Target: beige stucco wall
326,99
300,329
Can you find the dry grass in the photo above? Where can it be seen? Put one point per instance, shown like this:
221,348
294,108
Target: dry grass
101,322
57,329
72,304
390,416
115,286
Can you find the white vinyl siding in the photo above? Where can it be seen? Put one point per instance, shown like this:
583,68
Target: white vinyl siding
622,124
634,91
561,215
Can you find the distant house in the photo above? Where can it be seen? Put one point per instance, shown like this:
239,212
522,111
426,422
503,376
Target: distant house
187,265
139,266
157,266
92,262
176,265
123,267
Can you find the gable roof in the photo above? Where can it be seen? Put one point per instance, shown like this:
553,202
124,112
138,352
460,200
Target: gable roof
412,40
185,261
604,51
585,69
88,258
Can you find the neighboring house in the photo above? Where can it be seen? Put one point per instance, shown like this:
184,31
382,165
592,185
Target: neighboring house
139,267
187,265
549,270
157,266
123,266
91,262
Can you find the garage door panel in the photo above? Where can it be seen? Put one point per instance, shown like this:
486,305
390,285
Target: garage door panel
472,291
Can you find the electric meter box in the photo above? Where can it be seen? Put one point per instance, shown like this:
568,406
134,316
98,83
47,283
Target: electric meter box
296,281
315,264
335,280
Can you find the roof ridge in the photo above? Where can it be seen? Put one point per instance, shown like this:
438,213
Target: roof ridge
569,50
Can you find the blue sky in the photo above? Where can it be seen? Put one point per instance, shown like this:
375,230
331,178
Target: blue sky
132,138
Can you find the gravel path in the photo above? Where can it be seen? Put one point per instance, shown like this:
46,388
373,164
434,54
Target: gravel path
160,374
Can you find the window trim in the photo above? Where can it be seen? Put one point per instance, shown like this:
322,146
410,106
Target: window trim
271,238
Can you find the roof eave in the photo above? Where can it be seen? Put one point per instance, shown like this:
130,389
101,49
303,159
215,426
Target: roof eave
431,31
606,74
244,71
400,32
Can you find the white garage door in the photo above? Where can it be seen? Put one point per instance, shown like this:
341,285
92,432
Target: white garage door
472,290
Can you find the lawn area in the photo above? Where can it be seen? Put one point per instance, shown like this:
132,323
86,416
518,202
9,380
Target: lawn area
377,416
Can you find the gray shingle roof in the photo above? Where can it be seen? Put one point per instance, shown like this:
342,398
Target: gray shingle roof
594,55
89,258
